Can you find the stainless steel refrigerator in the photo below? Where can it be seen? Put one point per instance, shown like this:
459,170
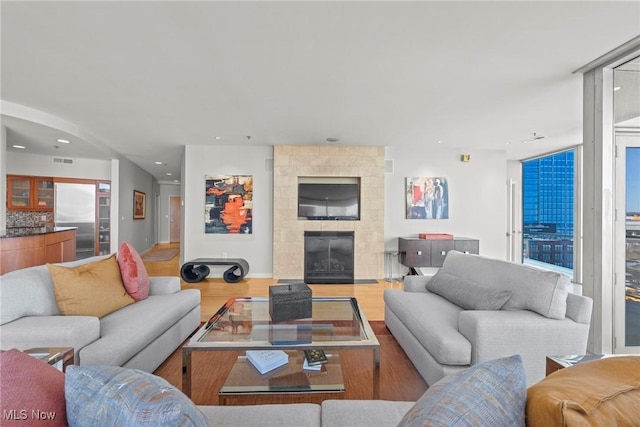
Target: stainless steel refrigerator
75,206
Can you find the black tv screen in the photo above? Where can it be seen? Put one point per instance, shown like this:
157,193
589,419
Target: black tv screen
329,201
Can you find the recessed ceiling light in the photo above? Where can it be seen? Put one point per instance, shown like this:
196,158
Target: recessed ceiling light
169,174
175,180
439,142
617,88
22,147
218,137
158,163
64,141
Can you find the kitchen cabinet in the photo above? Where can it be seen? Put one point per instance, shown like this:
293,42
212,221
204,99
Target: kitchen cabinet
416,253
103,220
29,193
36,247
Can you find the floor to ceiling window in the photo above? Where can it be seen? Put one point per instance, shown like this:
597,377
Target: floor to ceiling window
547,211
626,102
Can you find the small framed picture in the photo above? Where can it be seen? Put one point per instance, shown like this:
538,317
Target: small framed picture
139,205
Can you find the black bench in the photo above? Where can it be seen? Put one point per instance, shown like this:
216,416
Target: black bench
196,270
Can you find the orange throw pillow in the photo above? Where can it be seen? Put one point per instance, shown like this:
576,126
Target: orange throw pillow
134,274
93,289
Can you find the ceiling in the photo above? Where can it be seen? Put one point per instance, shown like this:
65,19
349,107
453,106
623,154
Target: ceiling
143,79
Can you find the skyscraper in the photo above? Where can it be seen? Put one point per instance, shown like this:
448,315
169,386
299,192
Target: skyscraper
548,198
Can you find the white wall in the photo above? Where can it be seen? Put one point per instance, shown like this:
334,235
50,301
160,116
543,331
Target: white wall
139,233
228,160
478,200
477,196
41,165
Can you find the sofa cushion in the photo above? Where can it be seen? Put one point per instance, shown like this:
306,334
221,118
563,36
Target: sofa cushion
366,413
134,274
466,293
273,415
110,396
30,387
491,393
544,292
603,392
127,331
93,289
433,321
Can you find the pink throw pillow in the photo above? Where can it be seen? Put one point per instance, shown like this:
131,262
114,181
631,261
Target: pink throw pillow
32,391
134,275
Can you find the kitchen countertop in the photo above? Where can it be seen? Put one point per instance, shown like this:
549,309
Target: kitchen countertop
32,231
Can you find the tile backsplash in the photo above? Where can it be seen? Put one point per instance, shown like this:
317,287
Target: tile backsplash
28,219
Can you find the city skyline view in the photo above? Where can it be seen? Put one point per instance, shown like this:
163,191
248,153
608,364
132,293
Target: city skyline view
633,181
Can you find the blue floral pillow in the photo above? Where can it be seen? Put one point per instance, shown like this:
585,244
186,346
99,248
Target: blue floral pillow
110,396
491,394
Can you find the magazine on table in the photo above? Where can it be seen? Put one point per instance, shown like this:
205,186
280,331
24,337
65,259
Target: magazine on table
267,360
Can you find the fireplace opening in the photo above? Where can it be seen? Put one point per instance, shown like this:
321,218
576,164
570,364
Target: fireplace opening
328,257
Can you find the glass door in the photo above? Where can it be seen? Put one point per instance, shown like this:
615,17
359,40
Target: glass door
19,193
104,218
627,289
44,193
627,241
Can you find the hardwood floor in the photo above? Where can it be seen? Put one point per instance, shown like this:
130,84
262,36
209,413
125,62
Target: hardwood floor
398,380
215,291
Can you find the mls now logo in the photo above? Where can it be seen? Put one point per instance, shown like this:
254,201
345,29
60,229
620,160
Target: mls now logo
23,414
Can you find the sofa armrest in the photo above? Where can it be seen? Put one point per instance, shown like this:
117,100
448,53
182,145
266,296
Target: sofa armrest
501,333
416,283
164,285
579,308
50,331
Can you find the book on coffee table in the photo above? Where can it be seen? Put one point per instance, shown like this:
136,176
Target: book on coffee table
267,360
315,357
307,367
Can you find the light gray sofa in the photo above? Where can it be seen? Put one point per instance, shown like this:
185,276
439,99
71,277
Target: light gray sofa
332,413
140,335
539,318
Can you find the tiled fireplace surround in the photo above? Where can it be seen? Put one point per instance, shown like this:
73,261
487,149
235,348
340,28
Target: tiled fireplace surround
293,161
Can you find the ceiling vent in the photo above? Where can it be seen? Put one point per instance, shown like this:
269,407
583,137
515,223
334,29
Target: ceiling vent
61,160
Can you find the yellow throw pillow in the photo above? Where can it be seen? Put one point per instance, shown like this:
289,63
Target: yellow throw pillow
93,289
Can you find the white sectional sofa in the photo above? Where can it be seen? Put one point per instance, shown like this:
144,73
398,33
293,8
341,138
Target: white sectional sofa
140,335
478,309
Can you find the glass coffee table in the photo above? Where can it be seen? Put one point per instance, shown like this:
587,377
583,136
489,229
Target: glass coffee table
291,378
244,324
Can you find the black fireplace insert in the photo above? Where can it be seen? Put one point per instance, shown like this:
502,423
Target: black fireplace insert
328,257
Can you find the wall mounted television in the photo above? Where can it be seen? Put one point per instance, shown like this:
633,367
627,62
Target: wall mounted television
328,199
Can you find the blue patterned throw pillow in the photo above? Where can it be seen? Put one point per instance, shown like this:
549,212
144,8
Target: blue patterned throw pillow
491,394
110,396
